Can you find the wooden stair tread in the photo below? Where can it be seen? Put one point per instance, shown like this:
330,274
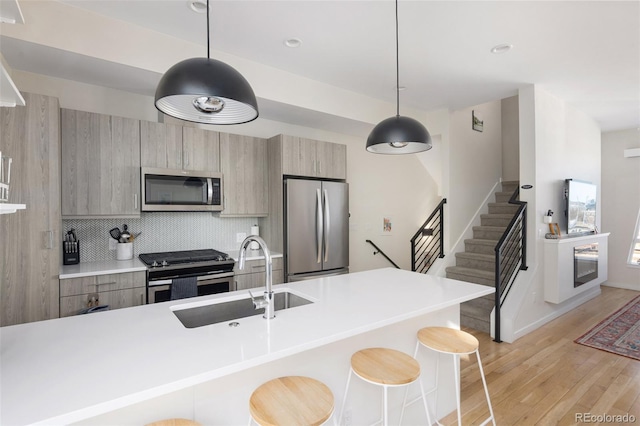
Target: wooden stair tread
481,241
385,366
479,256
448,340
291,400
471,271
489,228
496,215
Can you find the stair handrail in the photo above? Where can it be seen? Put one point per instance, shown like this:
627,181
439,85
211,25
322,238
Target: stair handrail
503,243
438,210
382,253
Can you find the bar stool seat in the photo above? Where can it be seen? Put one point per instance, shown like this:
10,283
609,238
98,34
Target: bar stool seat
291,400
174,422
387,368
454,342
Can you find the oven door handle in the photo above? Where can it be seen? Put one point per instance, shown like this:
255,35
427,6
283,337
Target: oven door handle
199,278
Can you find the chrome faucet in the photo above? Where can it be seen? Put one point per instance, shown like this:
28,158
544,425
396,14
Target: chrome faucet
266,301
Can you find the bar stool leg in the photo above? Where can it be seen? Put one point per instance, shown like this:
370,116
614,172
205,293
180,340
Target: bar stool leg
456,363
486,390
385,409
344,399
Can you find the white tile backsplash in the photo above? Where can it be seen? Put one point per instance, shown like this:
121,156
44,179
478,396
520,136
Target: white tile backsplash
160,232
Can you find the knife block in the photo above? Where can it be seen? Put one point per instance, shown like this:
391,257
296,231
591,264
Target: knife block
73,257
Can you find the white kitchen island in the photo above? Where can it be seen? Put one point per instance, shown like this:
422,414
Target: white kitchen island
137,365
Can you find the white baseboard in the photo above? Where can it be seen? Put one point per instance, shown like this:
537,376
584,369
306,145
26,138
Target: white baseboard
582,298
626,286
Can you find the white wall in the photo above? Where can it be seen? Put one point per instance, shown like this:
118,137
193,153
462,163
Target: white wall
398,186
510,139
556,142
475,163
620,204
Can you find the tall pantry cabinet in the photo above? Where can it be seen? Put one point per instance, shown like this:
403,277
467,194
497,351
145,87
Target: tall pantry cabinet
30,239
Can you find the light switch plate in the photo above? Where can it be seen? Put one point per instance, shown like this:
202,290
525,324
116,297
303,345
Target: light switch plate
240,236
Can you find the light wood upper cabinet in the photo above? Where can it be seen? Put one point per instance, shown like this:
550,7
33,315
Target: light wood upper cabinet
332,160
160,145
171,146
30,239
308,157
100,165
200,149
244,168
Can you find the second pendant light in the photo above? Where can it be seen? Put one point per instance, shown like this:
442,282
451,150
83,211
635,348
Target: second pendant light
398,135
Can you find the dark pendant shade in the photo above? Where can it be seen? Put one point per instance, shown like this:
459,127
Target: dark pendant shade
398,135
205,90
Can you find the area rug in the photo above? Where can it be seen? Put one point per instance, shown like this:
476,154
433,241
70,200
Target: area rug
619,333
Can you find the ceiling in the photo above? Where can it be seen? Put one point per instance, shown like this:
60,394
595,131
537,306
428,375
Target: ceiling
584,52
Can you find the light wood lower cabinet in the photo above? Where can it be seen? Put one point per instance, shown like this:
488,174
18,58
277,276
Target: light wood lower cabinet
30,238
253,275
116,290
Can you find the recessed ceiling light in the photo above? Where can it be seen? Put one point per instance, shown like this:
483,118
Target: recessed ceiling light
198,6
502,48
293,42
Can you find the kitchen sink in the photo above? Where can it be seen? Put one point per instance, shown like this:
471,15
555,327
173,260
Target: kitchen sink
214,313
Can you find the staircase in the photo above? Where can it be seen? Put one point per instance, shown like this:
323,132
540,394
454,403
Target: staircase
477,263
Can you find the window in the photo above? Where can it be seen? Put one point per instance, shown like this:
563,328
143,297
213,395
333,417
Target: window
634,253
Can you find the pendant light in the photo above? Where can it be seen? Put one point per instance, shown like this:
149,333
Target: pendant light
398,135
205,90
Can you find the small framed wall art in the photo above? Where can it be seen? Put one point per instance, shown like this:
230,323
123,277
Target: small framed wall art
476,123
387,226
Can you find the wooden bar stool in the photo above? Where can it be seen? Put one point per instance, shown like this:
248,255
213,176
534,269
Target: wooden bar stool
386,368
174,422
453,342
291,400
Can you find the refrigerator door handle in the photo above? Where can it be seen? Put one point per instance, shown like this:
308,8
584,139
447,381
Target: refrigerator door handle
319,226
327,226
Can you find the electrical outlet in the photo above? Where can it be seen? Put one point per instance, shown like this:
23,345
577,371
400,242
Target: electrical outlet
112,244
240,236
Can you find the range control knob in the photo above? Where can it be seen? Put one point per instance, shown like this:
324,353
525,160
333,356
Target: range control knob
164,263
154,264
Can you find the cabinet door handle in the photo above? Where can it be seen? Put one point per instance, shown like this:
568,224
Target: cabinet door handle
142,298
135,201
48,240
109,283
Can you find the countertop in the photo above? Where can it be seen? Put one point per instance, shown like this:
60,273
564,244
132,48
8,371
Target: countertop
68,369
105,267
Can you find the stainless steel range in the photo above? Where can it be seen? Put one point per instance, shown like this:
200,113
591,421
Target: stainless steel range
212,268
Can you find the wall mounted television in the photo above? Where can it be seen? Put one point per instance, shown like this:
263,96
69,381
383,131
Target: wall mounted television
580,209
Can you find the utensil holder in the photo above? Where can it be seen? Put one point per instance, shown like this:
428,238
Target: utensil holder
124,251
70,253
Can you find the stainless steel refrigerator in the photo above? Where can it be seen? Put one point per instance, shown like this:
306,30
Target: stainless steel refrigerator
316,215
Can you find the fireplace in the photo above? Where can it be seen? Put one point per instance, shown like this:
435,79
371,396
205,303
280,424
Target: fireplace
585,264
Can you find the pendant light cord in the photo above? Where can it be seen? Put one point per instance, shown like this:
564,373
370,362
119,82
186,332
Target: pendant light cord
208,38
397,66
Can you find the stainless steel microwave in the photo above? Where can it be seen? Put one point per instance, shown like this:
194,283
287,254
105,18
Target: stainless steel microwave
169,190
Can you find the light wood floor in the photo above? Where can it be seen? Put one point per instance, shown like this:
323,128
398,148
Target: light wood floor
544,378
